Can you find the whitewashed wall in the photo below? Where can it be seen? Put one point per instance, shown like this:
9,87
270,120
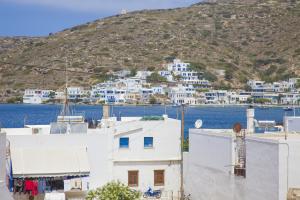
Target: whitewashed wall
262,169
208,167
289,166
4,193
165,154
166,142
272,166
146,174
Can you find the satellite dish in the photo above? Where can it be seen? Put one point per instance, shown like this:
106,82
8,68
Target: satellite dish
198,123
237,127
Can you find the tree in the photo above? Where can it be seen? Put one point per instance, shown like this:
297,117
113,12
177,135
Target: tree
249,100
155,78
133,72
51,95
262,100
298,84
113,191
152,100
151,69
248,88
186,145
228,74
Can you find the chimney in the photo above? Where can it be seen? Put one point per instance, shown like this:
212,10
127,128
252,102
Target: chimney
250,120
105,111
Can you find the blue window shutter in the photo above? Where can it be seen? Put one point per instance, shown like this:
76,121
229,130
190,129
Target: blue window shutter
124,142
148,142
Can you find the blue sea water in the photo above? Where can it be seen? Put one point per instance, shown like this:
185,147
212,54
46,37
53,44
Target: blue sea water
14,115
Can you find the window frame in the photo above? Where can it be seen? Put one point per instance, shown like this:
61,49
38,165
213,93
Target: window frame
129,178
123,146
156,182
149,147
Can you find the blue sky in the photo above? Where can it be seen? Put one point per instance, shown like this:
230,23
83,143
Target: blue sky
41,17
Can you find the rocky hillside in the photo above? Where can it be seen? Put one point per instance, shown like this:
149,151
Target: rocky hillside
246,39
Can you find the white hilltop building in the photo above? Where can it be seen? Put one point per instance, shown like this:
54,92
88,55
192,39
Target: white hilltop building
139,152
222,164
188,76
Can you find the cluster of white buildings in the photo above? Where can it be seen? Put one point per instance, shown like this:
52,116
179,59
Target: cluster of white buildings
283,92
126,89
182,86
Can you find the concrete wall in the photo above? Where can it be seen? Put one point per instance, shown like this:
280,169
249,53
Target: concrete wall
262,169
208,168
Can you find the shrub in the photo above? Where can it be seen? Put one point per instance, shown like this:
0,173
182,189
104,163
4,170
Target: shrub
209,76
197,66
228,74
262,100
113,191
14,100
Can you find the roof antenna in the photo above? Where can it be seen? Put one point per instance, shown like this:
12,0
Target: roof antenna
66,111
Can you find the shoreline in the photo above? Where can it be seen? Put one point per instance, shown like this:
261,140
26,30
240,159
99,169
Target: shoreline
168,105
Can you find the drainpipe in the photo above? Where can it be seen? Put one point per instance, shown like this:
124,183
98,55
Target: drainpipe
287,164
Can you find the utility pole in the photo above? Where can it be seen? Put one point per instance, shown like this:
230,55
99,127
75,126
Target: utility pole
181,163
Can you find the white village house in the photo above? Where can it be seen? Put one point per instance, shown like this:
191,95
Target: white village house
187,75
222,164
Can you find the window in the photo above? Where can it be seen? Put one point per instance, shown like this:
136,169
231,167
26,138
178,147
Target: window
124,142
148,142
159,177
133,178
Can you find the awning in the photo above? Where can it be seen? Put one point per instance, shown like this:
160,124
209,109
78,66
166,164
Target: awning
45,162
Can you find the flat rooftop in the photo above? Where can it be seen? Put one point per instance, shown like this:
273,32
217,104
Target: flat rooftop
274,136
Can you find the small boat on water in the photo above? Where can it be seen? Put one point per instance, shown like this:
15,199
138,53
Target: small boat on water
288,109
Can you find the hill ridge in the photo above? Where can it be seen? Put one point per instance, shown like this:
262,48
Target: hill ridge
260,41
